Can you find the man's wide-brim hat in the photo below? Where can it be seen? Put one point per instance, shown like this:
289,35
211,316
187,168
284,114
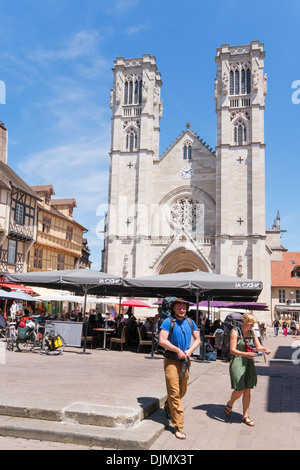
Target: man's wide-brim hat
179,300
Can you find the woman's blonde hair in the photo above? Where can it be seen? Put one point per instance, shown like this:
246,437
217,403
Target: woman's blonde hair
249,318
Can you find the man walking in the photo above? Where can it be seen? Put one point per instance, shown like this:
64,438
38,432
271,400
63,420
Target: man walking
175,336
276,325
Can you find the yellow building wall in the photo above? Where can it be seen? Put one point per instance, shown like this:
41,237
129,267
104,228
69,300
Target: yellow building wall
55,243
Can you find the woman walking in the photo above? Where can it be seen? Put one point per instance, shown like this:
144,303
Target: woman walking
242,368
285,328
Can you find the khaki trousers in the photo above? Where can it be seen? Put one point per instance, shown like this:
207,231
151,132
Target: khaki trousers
176,389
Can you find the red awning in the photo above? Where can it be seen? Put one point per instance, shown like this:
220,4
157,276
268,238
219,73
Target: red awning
13,287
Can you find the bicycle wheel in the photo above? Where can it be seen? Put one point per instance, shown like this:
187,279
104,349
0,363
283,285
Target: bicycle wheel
52,346
27,344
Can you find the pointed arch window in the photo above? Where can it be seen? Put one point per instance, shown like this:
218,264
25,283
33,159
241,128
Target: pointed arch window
243,82
187,151
133,91
131,140
240,81
236,82
231,83
240,133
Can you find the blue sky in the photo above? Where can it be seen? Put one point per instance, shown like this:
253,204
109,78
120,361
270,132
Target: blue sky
56,58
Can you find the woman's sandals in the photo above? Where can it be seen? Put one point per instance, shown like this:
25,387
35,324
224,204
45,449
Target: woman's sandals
228,410
247,420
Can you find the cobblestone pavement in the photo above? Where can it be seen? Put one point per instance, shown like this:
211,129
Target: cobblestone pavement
12,443
275,405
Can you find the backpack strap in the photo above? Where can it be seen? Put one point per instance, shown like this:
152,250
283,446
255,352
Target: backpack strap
172,326
173,321
190,322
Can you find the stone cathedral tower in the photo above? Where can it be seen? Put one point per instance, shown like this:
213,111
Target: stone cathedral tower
192,207
240,90
136,111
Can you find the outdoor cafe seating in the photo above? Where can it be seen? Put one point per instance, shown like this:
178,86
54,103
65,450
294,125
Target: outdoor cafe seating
142,342
120,340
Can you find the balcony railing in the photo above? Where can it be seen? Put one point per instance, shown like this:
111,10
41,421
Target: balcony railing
240,101
132,111
24,231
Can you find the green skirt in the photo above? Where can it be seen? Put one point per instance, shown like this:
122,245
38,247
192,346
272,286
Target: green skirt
242,373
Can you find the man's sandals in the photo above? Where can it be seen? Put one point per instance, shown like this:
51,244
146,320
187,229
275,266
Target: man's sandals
180,434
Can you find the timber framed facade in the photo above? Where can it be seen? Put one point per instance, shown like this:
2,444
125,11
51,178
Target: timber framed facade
18,220
59,243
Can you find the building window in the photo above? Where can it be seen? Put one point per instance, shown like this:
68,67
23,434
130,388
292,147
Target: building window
47,198
248,81
282,296
236,82
12,252
240,133
19,214
60,261
297,296
133,92
37,260
46,225
187,152
240,81
69,234
131,140
186,212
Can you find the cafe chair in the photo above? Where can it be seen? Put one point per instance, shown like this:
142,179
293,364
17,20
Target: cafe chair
122,340
143,342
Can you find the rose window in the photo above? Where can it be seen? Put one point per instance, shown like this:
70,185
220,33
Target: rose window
186,212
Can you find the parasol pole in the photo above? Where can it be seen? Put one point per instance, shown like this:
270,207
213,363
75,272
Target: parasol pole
203,345
120,301
197,308
84,308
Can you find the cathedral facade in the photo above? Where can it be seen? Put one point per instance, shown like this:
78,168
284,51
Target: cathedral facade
194,206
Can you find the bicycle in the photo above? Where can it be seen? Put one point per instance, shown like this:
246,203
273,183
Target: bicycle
26,339
11,336
50,342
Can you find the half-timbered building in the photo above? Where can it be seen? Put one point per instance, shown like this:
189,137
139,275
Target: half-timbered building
18,215
59,243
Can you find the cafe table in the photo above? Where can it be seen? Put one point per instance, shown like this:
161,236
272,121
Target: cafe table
105,331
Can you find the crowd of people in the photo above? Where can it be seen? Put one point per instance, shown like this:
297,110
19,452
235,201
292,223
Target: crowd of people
292,324
174,334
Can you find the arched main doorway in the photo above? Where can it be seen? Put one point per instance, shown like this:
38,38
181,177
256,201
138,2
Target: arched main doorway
182,261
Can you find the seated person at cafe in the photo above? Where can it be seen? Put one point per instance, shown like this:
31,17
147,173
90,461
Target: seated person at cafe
2,320
26,317
131,323
41,321
112,312
148,324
